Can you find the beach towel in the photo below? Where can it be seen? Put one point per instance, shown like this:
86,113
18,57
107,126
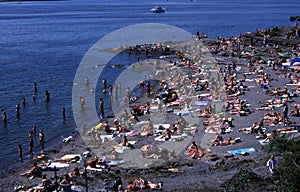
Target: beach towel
57,165
120,149
68,139
97,127
182,113
105,138
71,156
173,138
116,162
263,141
201,103
94,169
170,110
243,151
165,126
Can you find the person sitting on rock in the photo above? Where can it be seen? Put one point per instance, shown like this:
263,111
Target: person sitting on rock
75,173
193,151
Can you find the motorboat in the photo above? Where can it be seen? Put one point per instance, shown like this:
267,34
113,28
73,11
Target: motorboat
157,9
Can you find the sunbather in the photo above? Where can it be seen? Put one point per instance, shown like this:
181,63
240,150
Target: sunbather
36,171
68,160
229,141
218,140
295,111
65,184
75,173
271,137
193,151
167,134
285,129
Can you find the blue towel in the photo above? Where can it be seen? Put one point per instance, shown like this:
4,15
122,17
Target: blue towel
242,151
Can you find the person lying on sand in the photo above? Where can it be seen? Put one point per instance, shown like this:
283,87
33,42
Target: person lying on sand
255,128
271,137
68,160
286,129
36,171
295,112
143,184
263,108
206,114
229,141
273,118
218,140
273,101
262,135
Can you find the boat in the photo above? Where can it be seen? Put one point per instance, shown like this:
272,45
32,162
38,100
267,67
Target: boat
157,9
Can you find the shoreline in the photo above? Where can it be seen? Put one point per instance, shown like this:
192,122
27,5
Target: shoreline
183,163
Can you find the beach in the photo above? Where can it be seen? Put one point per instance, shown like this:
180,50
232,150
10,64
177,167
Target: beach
249,78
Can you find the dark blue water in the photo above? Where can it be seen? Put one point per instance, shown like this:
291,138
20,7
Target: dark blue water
45,42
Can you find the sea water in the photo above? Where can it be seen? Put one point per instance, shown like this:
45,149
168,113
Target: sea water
44,42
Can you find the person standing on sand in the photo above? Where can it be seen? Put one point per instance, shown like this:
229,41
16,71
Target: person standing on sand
42,140
271,164
21,153
31,143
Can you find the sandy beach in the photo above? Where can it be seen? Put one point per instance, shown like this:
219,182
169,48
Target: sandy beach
250,81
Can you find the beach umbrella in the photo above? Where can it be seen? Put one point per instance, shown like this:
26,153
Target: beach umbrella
295,61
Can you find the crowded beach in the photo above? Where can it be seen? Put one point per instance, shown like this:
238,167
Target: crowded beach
189,110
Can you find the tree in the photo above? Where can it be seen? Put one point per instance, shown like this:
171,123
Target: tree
287,174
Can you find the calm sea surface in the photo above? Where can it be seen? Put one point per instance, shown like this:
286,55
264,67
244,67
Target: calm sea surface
44,42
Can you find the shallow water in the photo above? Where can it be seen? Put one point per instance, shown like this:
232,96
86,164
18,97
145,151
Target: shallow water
45,42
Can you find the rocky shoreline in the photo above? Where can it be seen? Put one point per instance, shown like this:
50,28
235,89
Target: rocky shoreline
217,170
